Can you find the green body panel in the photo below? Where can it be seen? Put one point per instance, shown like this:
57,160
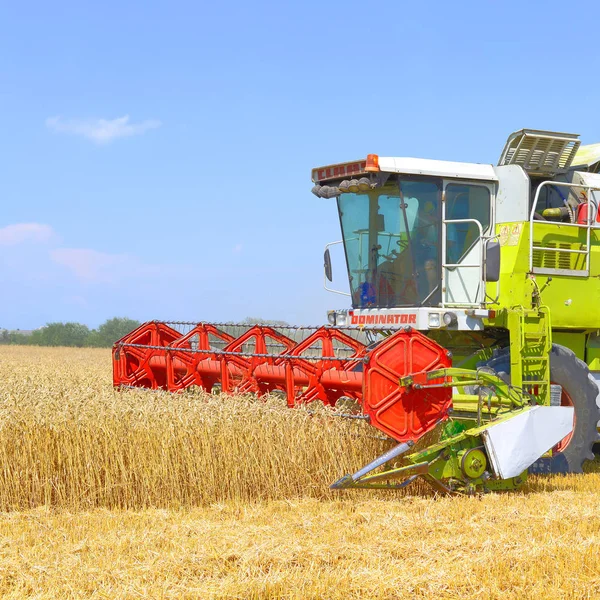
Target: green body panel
573,300
592,352
573,341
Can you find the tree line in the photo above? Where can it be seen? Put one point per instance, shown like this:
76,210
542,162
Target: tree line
80,336
73,334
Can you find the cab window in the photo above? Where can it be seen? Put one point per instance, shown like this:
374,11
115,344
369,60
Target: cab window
465,201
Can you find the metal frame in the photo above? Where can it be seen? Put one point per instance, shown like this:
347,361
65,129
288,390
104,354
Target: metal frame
481,292
587,226
446,266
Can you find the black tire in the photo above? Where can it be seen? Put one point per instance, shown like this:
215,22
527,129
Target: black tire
574,376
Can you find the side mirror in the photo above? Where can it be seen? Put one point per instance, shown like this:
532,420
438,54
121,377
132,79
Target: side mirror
492,260
327,265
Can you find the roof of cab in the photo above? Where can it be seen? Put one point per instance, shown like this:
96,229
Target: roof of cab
437,168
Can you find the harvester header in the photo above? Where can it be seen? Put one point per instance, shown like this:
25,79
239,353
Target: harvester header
306,364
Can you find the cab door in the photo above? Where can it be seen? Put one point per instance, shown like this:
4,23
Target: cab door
467,218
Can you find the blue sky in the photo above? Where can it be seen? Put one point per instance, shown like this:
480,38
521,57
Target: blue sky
155,157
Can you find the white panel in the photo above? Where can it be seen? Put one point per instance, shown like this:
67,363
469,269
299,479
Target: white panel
515,444
419,318
512,198
591,179
437,168
463,284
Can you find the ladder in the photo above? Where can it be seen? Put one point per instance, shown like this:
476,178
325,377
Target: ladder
530,346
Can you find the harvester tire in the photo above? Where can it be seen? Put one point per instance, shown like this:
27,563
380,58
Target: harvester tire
574,376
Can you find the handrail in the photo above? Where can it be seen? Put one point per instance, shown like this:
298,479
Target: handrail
587,226
445,265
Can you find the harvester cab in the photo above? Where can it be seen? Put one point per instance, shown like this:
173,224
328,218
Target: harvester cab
472,318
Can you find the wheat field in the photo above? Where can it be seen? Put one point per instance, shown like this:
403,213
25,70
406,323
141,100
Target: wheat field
139,494
72,441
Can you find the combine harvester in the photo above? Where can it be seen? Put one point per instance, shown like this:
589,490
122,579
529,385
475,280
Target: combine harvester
474,293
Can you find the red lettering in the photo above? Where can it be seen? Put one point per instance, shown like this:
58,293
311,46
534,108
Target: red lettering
353,320
339,171
403,318
412,319
361,320
370,320
390,319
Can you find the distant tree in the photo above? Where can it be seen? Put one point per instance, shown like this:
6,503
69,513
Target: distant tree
14,337
93,340
61,334
112,330
73,334
259,321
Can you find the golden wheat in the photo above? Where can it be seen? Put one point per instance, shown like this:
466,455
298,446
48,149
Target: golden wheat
80,452
508,547
68,439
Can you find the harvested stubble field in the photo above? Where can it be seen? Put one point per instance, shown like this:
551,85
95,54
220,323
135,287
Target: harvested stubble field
145,495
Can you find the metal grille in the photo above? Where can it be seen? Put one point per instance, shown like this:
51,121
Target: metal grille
542,153
549,259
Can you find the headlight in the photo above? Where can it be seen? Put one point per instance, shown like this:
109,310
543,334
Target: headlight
434,320
450,319
337,318
364,185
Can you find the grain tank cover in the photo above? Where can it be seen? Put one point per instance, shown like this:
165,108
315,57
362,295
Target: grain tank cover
588,158
540,153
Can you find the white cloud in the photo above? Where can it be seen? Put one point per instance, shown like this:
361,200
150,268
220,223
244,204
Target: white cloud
21,233
101,131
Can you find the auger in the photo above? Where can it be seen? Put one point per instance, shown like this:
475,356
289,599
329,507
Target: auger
473,318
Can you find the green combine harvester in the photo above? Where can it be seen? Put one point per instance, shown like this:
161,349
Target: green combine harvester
473,292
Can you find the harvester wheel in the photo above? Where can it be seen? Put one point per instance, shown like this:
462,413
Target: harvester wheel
579,390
